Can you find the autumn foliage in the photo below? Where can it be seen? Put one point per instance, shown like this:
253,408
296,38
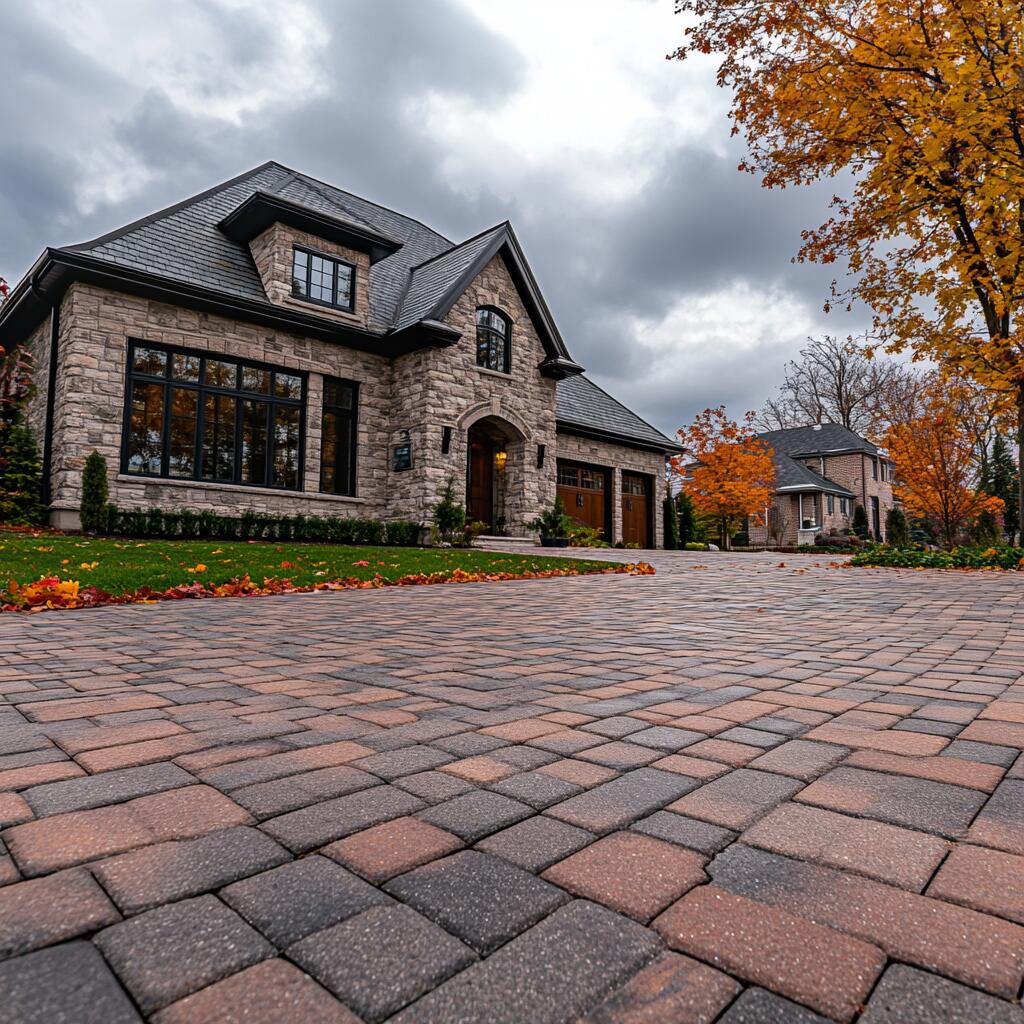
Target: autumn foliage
916,108
937,468
727,470
52,592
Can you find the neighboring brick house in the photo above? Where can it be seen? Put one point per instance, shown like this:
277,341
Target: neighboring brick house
822,473
280,345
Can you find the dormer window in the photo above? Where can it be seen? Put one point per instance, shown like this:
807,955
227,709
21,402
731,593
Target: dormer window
493,335
323,280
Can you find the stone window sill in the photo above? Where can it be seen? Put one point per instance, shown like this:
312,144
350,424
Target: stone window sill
494,373
206,485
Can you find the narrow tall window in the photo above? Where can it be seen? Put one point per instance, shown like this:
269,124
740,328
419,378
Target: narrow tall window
493,336
338,437
194,417
323,280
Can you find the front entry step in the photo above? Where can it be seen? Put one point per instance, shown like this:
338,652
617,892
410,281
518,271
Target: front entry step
529,542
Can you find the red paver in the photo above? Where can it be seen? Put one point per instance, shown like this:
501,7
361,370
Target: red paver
386,850
986,880
890,854
789,955
633,874
268,993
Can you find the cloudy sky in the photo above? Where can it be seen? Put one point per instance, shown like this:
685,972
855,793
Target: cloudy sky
669,272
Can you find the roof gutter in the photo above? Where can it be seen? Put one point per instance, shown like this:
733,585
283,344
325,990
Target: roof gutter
57,268
565,427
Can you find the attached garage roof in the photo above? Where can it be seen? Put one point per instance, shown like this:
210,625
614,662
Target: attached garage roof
584,408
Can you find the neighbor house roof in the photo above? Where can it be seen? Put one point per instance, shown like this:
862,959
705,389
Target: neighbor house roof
584,408
791,475
819,439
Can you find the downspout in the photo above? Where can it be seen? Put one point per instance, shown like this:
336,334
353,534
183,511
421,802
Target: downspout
51,388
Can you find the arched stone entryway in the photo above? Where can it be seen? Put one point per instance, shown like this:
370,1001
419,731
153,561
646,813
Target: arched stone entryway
495,473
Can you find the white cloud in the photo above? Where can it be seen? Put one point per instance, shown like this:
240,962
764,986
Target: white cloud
599,102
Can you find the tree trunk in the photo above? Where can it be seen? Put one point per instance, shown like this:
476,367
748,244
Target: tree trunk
1020,460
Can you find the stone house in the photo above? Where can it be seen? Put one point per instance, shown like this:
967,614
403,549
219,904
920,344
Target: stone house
822,473
281,345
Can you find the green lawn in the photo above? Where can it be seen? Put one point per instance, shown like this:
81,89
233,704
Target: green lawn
120,566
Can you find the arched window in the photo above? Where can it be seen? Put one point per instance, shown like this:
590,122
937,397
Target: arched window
493,340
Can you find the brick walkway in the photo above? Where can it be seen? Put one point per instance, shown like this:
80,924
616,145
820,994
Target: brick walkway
732,792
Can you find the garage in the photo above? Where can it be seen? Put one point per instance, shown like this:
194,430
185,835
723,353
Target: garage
586,492
636,509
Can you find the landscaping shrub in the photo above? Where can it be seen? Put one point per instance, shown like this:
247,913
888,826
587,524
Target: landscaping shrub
689,529
996,557
93,508
449,515
186,525
860,523
21,479
671,525
897,530
694,545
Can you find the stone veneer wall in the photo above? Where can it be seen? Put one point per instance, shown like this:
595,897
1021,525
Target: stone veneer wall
38,347
96,325
619,458
434,388
272,252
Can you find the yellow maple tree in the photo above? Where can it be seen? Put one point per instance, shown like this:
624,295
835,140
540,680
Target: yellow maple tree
917,109
727,470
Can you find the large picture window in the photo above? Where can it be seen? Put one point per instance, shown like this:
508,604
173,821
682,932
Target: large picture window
320,279
338,437
195,417
493,336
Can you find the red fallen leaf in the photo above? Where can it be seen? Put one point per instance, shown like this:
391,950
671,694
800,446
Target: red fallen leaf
781,565
287,565
52,593
362,564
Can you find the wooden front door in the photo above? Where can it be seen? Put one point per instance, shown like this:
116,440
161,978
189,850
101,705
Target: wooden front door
584,490
636,509
480,485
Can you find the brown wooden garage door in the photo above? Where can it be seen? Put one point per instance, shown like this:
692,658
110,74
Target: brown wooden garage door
585,491
636,509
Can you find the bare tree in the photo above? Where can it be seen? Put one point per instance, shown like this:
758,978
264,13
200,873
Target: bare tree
834,381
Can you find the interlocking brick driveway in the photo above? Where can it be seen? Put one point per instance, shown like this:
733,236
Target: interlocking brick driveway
735,791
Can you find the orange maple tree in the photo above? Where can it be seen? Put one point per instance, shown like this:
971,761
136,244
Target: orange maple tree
917,110
936,461
727,470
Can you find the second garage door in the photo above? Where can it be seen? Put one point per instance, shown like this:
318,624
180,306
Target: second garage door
636,509
585,491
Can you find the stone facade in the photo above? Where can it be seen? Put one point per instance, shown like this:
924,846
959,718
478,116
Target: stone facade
408,399
272,252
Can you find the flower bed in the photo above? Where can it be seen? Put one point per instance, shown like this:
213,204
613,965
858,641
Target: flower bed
977,558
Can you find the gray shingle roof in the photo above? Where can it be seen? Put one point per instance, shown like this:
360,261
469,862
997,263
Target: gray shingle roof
183,243
581,403
793,475
430,281
819,439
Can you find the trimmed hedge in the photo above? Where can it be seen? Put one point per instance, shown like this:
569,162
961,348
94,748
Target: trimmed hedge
959,558
185,525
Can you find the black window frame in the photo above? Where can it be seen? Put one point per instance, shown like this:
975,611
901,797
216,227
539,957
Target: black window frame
202,389
337,261
351,416
492,333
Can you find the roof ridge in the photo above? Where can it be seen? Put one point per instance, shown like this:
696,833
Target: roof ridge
151,218
371,202
458,245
